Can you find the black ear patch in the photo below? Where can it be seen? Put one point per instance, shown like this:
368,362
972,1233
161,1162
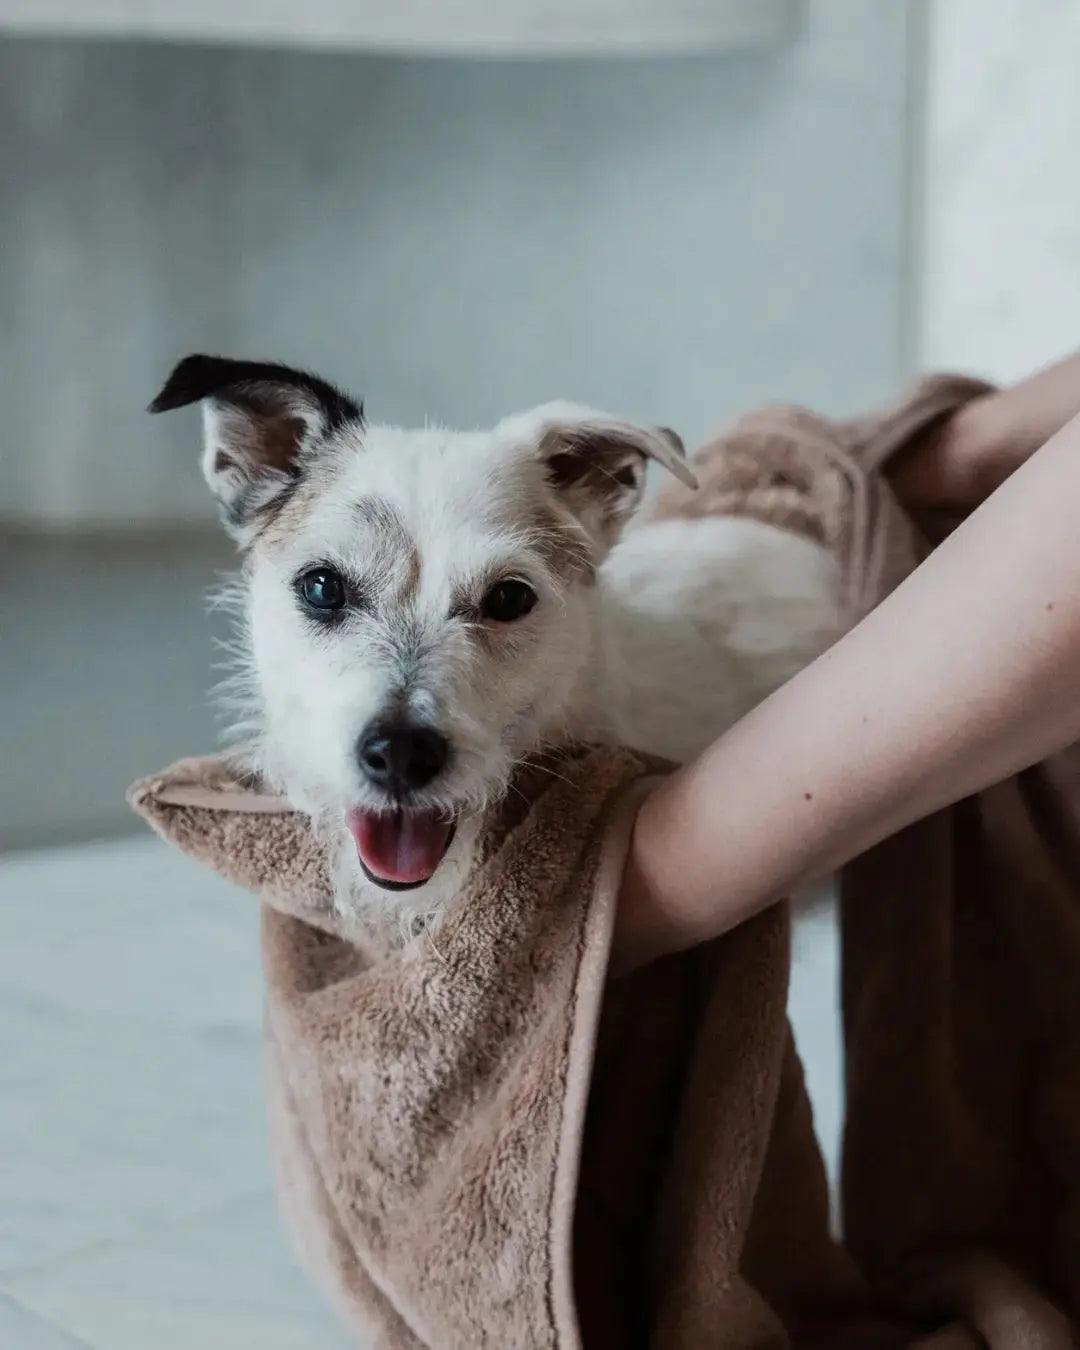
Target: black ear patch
606,469
263,425
240,382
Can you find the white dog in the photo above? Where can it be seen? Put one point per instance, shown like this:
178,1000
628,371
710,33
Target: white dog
425,609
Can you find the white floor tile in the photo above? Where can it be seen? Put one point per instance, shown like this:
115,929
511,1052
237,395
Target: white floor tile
20,1329
135,1199
130,1057
222,1281
138,1324
109,1125
189,964
52,893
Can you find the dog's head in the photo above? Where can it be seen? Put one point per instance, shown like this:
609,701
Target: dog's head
420,606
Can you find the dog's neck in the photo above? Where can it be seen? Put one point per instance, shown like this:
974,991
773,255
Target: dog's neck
593,713
599,712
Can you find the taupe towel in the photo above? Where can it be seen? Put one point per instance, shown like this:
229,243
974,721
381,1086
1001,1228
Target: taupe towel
961,949
478,1143
961,986
475,1147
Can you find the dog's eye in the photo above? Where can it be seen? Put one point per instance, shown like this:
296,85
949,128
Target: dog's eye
322,589
507,601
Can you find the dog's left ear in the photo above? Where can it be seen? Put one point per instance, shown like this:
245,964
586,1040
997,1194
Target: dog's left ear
260,420
599,461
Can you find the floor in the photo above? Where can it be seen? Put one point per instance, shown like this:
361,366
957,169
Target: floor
135,1201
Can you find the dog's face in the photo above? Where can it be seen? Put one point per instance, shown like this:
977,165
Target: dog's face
420,605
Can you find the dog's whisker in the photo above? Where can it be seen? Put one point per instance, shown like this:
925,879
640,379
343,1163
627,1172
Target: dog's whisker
539,766
431,944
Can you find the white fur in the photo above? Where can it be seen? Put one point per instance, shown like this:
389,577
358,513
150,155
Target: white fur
704,619
687,626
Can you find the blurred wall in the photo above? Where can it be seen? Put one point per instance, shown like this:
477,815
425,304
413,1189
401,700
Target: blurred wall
673,239
1000,279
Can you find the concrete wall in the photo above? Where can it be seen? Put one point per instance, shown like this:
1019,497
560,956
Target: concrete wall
1000,281
673,239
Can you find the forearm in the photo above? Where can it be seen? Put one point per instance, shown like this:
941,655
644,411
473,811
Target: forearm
961,461
967,673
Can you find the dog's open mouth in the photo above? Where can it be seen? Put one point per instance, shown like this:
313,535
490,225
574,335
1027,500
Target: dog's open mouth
400,849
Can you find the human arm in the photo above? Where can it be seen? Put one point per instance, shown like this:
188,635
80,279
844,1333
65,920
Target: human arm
959,461
967,673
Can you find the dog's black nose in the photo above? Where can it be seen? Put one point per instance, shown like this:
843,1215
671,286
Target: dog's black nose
401,757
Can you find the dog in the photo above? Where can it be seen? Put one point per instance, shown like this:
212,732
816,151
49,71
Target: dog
424,610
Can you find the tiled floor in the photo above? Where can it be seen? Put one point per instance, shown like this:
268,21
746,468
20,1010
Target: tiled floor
135,1202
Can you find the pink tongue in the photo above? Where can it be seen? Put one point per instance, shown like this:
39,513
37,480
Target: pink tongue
401,846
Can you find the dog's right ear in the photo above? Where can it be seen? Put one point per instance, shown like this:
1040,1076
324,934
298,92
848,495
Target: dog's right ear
596,462
260,420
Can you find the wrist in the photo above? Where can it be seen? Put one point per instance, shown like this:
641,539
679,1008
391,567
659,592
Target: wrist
954,464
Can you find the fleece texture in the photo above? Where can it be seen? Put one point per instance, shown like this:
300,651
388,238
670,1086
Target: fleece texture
478,1144
480,1141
